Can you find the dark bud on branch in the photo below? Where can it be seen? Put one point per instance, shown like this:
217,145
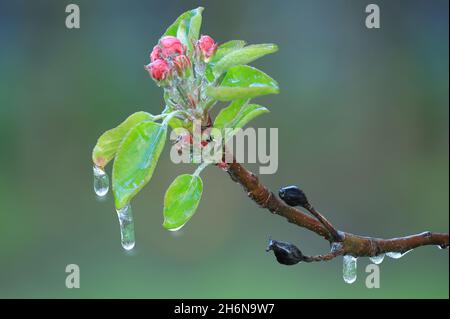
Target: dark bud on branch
286,253
293,196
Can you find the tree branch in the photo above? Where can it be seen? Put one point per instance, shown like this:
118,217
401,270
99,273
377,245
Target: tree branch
355,245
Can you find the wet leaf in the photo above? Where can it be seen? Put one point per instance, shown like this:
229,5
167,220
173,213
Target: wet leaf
182,33
243,82
136,160
237,115
243,56
107,144
194,28
192,21
226,48
222,50
176,122
181,200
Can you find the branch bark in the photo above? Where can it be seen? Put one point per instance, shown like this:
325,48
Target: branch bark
355,245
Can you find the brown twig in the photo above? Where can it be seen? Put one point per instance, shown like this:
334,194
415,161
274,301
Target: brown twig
357,246
325,257
334,233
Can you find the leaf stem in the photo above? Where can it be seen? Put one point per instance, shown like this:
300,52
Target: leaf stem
159,117
169,116
200,168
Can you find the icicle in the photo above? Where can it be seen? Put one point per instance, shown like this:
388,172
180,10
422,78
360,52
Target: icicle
349,269
396,254
178,228
126,222
377,259
101,181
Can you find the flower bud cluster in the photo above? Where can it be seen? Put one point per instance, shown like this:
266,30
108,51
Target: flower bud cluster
169,58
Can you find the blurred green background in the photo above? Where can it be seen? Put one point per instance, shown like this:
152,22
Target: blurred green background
363,128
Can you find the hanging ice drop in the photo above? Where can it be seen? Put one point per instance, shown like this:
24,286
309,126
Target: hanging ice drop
349,269
177,229
378,259
101,181
126,222
396,254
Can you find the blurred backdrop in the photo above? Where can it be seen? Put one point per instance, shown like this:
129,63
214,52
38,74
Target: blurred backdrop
363,128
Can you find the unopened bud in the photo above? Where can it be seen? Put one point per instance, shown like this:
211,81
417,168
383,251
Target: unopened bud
206,46
293,196
182,65
158,69
171,46
156,53
286,253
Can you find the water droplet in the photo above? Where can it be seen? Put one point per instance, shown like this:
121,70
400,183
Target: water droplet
101,181
178,228
378,259
396,254
126,222
349,269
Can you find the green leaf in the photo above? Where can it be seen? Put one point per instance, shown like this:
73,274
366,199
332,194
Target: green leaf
181,200
136,160
176,122
238,114
182,33
107,144
222,50
243,56
226,48
192,20
243,82
173,29
194,28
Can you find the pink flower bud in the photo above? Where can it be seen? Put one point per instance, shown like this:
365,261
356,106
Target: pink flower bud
181,63
171,46
156,53
158,69
207,46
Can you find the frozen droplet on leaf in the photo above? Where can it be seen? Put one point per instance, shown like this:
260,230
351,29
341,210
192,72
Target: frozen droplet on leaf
177,228
101,181
126,222
396,254
378,259
349,269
